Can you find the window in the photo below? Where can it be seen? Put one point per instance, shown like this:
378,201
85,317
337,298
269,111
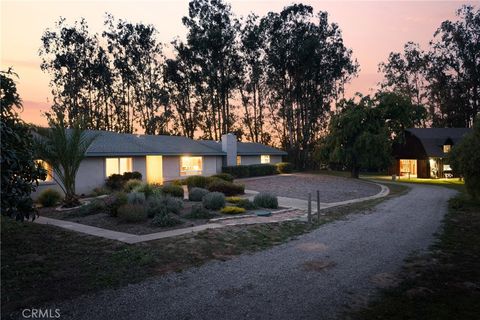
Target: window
239,160
447,148
117,166
265,158
47,167
190,166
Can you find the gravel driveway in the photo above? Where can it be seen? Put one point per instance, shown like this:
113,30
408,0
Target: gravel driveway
298,185
317,276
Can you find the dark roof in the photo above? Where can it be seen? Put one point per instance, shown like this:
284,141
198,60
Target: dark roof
247,148
123,144
433,139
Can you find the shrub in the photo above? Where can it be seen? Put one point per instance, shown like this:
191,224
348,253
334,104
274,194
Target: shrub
197,182
196,194
224,176
232,210
284,167
49,197
100,191
155,206
179,182
199,212
135,175
165,220
246,204
132,213
115,182
214,200
174,191
131,184
146,188
115,201
136,198
265,200
227,188
94,207
237,171
264,169
233,199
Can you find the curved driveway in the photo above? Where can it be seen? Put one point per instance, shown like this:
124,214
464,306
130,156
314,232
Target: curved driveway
317,276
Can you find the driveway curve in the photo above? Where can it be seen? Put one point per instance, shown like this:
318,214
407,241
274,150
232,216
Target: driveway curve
317,276
298,185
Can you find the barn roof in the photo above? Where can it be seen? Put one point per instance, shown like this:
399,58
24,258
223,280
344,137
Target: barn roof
433,139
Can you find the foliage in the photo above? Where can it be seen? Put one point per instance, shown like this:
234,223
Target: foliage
227,188
94,207
246,204
132,184
117,181
445,77
465,159
132,213
232,210
241,171
136,198
284,167
172,204
64,150
155,205
233,199
173,190
358,137
49,197
20,173
199,212
115,201
224,176
197,182
148,189
164,219
196,194
100,191
179,182
265,200
264,169
214,200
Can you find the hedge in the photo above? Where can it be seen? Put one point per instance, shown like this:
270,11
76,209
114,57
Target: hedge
284,167
227,188
253,170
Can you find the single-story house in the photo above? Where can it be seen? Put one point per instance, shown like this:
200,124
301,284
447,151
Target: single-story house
424,152
161,158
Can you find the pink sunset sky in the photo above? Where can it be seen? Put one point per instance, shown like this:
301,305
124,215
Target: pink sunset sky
372,29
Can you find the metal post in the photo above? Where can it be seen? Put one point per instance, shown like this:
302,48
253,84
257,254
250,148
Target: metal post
309,207
318,205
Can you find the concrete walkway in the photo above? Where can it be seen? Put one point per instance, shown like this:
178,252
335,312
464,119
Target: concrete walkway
133,238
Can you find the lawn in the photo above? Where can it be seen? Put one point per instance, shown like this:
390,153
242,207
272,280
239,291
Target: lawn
444,284
44,264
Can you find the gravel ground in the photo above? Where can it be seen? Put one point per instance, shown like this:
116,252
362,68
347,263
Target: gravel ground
318,276
332,188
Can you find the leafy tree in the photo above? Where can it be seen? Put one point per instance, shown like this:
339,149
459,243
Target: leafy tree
211,38
20,173
64,149
399,113
138,69
446,78
306,58
358,137
465,159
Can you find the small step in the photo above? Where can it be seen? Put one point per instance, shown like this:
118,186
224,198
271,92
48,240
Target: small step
263,213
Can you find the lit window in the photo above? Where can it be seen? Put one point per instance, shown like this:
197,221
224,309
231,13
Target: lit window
47,167
117,166
190,166
265,158
239,160
447,148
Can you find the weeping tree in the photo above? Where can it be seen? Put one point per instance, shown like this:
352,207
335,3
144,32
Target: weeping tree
64,149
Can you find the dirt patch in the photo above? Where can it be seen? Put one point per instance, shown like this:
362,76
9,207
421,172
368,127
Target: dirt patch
385,280
312,247
319,265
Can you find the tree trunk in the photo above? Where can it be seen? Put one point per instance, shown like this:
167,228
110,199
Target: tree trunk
355,173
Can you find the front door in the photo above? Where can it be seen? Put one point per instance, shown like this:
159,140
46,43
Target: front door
154,169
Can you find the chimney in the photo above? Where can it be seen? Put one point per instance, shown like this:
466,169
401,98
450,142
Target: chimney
229,146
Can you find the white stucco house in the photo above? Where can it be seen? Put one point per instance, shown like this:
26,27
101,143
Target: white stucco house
161,158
